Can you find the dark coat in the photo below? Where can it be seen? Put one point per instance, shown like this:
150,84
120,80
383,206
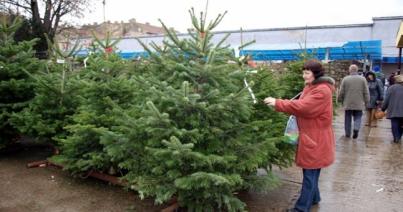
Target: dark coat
393,103
375,91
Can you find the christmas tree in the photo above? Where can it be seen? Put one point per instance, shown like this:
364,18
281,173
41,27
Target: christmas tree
17,62
191,133
104,79
55,101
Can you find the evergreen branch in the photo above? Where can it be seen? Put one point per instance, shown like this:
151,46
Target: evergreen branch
194,19
76,48
246,44
107,39
97,40
8,31
156,47
51,49
149,51
116,41
151,106
171,35
62,83
219,18
144,46
177,44
240,92
202,22
205,41
222,40
40,81
185,88
211,57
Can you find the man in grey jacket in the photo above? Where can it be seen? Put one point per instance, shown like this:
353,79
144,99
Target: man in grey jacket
354,95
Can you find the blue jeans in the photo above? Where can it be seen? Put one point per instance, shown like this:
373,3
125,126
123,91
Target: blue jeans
357,115
310,190
397,130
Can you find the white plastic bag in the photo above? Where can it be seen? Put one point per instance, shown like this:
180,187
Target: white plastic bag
291,131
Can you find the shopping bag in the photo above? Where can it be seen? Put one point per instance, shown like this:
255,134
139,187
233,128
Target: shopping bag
291,131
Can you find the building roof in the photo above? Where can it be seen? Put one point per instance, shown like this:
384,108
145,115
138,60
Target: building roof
352,50
388,18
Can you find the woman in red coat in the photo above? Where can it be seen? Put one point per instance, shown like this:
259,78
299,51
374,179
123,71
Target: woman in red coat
316,145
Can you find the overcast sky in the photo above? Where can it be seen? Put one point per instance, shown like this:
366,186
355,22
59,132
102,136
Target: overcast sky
248,14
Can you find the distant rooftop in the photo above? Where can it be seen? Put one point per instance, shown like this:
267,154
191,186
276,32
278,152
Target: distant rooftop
301,27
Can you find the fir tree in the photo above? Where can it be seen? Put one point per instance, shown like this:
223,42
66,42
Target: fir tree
16,86
266,82
105,79
55,101
292,82
192,134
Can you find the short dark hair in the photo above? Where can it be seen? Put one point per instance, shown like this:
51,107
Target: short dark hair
370,73
316,67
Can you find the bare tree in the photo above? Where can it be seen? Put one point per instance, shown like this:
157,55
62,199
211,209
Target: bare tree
46,15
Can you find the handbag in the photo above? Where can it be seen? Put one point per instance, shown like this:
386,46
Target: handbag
379,114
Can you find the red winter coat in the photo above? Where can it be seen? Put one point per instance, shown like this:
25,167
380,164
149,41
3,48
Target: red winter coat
314,112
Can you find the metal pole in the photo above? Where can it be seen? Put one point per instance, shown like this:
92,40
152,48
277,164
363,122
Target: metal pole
370,65
399,62
103,4
327,58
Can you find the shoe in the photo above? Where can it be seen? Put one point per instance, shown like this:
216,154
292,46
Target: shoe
347,136
315,203
396,141
292,210
355,134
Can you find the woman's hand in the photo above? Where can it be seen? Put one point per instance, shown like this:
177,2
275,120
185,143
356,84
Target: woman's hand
270,101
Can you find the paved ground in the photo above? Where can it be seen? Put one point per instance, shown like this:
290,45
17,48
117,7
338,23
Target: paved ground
367,176
52,190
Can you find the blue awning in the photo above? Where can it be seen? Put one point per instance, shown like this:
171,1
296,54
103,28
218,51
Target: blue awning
391,59
352,50
124,55
132,55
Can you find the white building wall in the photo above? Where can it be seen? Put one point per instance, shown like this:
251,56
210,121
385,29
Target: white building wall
384,28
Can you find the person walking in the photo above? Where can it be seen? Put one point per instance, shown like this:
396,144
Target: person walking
376,96
354,95
316,145
393,104
391,79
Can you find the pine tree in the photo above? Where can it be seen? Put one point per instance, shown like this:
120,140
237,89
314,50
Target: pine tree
192,134
16,86
105,79
292,82
55,101
267,82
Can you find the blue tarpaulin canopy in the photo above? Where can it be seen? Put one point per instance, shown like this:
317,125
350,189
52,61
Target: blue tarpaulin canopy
391,59
352,50
124,55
